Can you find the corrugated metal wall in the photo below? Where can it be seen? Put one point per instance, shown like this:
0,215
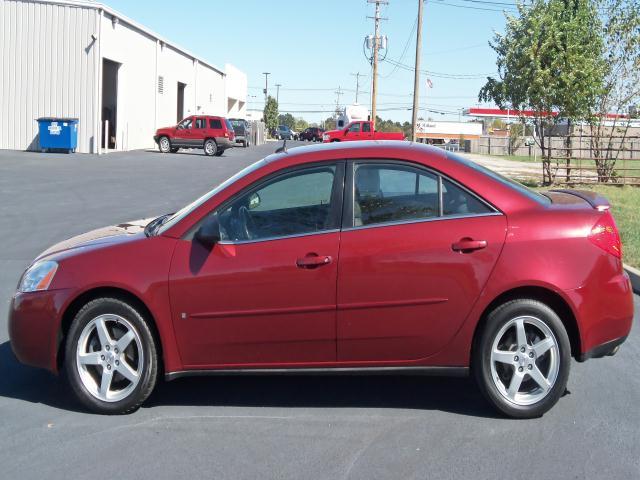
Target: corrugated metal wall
47,68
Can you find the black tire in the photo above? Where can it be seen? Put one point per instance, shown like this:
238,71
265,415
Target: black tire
219,152
245,143
148,368
164,144
174,149
482,358
210,147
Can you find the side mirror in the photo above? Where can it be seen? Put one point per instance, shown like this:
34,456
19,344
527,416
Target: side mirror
209,232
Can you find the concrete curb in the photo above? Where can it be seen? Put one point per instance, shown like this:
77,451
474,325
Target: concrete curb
634,275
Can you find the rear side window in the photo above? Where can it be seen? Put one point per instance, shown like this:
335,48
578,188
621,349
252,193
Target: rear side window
386,193
215,123
366,127
393,193
457,201
201,123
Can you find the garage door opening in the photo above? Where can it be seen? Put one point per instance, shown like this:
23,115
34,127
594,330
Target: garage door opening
181,87
109,103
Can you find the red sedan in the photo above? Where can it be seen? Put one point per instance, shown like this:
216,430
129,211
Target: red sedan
378,256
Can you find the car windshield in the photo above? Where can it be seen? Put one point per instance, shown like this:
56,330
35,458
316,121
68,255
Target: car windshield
526,191
183,212
229,126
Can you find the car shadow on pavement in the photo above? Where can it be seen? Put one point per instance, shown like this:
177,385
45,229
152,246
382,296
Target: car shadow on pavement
32,384
454,395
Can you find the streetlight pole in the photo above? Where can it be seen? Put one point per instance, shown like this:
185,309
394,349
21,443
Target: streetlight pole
416,76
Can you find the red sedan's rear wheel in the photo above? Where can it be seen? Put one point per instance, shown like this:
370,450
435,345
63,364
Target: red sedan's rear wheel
522,358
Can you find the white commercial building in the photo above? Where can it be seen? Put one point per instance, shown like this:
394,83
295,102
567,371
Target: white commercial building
82,59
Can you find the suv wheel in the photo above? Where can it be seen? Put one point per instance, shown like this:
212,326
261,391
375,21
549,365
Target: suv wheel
219,152
522,358
164,144
111,361
210,147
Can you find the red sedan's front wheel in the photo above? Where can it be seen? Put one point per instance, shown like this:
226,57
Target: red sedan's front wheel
111,360
522,358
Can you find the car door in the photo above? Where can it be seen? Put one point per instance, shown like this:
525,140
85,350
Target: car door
366,133
416,250
354,131
184,133
199,131
266,293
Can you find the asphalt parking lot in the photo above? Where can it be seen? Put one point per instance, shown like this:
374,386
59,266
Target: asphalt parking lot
307,427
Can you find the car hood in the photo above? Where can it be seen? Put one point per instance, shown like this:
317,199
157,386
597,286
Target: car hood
100,237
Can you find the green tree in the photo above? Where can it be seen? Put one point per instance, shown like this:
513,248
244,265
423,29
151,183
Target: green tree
621,89
301,124
270,114
550,60
330,123
288,120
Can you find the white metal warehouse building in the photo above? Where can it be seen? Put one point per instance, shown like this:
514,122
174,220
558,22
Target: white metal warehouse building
81,59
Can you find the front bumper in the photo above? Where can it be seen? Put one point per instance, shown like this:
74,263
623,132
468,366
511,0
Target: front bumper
34,327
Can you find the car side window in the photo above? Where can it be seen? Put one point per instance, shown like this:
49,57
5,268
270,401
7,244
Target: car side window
389,193
186,124
215,124
457,201
290,204
366,127
201,123
355,128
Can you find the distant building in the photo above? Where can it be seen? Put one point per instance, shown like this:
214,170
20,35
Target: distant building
444,132
82,59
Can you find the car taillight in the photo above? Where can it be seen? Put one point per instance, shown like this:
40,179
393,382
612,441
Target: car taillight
604,234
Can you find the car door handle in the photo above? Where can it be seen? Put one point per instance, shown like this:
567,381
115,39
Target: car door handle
467,245
313,260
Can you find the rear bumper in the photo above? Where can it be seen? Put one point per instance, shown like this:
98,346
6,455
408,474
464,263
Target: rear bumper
224,143
606,349
604,312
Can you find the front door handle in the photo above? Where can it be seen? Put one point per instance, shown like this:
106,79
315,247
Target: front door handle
468,245
313,260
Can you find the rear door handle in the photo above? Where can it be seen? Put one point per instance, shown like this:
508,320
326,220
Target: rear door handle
467,245
313,260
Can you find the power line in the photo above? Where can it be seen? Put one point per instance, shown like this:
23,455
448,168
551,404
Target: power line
404,50
469,7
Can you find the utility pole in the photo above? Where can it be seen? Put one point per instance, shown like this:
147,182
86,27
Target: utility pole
338,93
376,46
416,75
266,86
278,85
357,75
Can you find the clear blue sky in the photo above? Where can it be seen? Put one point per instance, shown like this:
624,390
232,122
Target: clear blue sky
317,44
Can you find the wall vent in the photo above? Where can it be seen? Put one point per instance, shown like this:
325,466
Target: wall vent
160,84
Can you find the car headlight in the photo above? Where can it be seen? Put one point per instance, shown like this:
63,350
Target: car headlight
38,276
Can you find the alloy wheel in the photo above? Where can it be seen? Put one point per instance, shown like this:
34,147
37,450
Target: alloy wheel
165,146
525,360
109,357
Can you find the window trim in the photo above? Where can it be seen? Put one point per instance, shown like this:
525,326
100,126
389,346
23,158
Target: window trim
335,212
349,195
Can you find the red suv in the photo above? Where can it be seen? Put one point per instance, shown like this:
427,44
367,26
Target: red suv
312,134
213,134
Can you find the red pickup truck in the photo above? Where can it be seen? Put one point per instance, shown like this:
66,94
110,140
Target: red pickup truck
359,130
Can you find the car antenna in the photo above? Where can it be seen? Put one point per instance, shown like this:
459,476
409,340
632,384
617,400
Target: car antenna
283,148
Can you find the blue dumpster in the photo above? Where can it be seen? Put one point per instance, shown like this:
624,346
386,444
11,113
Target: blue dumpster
58,133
